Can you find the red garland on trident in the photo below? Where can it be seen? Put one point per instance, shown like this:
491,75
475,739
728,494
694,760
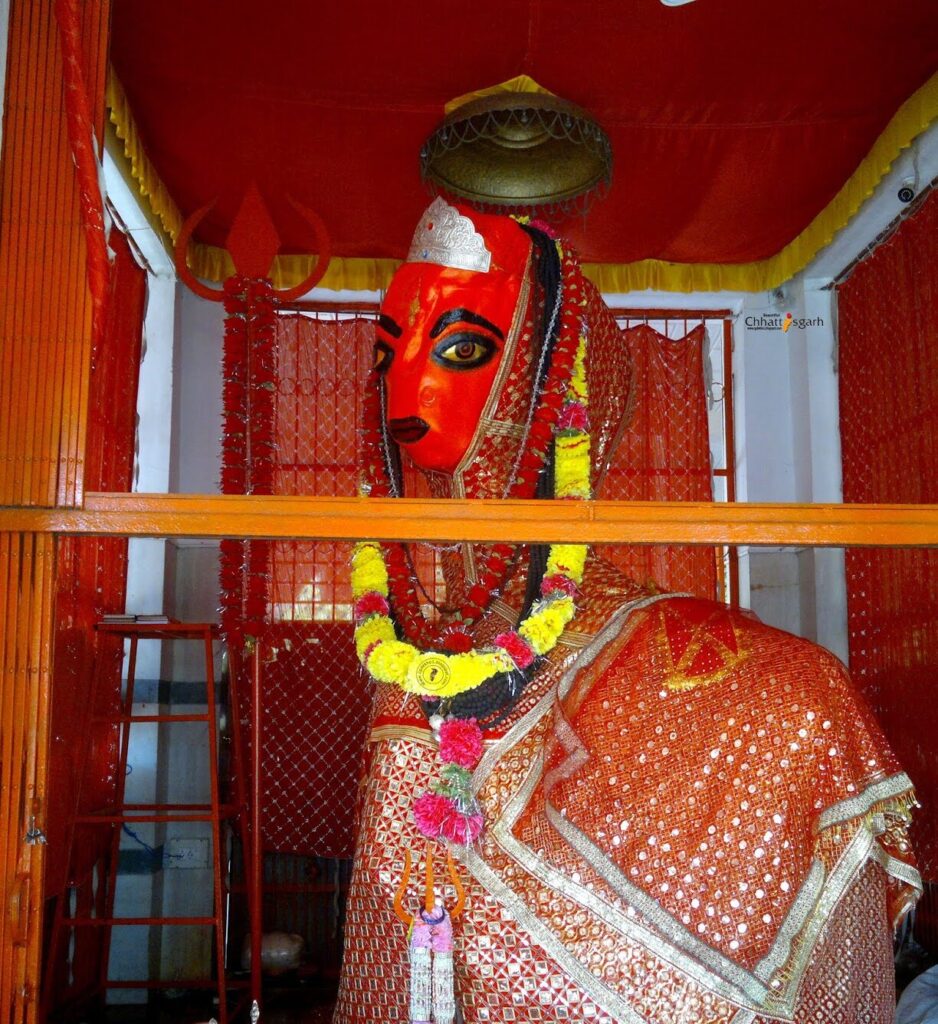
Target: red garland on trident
249,370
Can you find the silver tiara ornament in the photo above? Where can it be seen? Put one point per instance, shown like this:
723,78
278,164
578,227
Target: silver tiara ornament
450,239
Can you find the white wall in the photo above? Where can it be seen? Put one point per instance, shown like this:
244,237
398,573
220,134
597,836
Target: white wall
789,451
197,405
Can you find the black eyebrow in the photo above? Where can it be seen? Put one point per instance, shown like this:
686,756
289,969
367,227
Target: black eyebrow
389,326
452,316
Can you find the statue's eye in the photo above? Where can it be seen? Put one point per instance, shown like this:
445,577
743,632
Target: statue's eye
383,354
464,351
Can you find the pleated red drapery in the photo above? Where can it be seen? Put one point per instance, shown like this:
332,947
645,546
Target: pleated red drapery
888,326
664,455
91,580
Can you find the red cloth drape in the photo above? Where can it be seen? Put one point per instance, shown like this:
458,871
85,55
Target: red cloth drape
91,577
888,337
664,455
92,571
316,697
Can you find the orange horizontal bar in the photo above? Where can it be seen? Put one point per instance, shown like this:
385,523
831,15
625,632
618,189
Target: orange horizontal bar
596,522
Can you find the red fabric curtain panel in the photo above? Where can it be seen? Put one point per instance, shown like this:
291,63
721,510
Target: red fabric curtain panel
316,698
888,336
91,580
664,455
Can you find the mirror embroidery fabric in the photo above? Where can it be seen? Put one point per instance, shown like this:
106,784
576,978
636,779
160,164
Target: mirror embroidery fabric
690,816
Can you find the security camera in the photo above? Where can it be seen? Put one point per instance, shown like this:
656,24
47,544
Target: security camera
906,191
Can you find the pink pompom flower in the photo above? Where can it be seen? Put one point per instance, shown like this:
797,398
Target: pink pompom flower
462,828
557,581
573,416
461,742
516,647
369,604
431,812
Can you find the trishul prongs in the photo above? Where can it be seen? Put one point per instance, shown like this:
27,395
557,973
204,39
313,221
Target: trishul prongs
252,244
429,899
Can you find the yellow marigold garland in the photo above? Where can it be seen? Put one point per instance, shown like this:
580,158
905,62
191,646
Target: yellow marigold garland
369,573
567,560
437,674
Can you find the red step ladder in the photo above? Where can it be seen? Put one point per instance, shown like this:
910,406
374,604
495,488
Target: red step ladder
121,813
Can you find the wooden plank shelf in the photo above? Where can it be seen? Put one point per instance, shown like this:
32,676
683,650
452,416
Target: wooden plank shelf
594,522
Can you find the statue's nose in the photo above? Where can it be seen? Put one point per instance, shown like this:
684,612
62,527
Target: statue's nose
408,429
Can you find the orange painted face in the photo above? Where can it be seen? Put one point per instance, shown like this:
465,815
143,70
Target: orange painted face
441,336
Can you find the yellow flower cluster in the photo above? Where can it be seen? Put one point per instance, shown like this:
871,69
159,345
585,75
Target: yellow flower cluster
542,628
567,559
572,466
377,629
369,573
466,672
577,391
390,661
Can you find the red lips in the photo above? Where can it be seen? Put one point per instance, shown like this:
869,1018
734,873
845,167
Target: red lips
408,429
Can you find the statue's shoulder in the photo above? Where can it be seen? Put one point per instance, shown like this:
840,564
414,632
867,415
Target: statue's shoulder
713,662
693,642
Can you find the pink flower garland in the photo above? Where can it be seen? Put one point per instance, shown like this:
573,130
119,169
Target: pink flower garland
450,810
516,647
461,742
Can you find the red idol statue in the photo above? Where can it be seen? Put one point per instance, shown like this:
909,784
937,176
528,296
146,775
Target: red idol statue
584,800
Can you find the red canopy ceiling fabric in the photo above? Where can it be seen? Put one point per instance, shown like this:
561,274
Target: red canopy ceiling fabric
733,123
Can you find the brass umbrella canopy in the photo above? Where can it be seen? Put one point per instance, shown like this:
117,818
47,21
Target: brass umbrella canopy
519,151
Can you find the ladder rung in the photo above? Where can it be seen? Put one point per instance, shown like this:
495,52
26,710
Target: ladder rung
131,719
180,983
224,811
114,922
158,808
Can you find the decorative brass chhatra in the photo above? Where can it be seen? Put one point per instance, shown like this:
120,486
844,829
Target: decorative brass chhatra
519,151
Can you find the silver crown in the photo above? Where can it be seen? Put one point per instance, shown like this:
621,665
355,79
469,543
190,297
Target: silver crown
446,237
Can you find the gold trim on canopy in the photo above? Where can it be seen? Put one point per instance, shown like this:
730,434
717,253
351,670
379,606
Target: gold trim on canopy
918,112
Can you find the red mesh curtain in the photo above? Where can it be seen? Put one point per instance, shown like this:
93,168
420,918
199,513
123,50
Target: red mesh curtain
316,697
888,337
664,455
91,580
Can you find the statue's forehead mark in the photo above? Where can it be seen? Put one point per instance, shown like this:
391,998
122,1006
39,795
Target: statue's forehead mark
414,308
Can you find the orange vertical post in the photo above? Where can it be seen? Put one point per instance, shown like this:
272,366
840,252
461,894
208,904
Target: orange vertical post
45,348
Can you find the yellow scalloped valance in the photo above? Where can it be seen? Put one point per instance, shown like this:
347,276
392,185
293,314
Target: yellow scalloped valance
211,263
